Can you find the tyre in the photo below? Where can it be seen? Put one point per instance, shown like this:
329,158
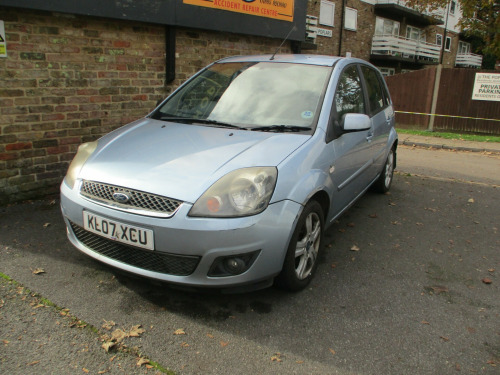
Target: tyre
383,183
301,259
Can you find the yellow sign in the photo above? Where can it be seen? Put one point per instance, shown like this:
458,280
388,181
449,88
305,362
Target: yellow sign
276,9
3,42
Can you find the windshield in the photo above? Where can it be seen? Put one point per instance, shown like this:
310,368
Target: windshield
252,95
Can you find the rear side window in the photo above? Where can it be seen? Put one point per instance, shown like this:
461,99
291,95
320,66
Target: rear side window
349,96
374,89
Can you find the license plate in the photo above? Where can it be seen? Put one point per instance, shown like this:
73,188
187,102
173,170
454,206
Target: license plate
117,231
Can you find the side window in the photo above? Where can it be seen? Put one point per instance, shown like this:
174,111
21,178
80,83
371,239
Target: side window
349,96
374,88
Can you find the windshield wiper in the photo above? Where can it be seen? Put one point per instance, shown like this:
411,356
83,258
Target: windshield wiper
193,120
281,128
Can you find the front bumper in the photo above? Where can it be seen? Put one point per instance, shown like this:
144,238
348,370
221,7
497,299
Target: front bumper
183,239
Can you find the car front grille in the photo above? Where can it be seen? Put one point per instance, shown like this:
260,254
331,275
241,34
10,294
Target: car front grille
139,202
171,264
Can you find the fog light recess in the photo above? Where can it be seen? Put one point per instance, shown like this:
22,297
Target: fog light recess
232,265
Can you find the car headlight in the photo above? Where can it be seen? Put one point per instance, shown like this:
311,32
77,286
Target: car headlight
243,192
83,153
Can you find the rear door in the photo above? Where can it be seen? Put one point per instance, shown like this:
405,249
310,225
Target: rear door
381,114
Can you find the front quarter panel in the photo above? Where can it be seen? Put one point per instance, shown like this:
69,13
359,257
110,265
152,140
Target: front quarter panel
305,172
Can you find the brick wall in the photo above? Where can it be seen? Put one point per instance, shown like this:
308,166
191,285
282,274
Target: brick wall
358,42
69,80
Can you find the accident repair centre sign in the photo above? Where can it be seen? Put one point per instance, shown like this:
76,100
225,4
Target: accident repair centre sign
486,87
276,9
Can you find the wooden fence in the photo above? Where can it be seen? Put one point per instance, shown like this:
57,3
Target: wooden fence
413,92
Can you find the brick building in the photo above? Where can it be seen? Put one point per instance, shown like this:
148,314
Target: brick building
70,72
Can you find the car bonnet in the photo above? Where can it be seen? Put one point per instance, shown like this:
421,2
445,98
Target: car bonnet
181,161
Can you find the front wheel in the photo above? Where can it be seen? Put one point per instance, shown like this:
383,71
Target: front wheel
383,183
301,259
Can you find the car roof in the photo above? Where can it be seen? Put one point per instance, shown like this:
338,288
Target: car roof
286,58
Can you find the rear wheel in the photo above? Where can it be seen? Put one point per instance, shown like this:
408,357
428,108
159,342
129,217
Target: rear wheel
301,259
383,183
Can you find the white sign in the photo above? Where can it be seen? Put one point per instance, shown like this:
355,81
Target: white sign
324,32
3,41
486,87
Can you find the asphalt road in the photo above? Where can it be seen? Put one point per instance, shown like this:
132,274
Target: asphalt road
408,284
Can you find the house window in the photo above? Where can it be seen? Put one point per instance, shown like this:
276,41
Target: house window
384,26
453,7
463,47
326,13
351,19
387,71
447,44
414,33
439,40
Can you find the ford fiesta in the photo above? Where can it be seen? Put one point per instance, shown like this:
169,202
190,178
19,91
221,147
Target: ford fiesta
231,181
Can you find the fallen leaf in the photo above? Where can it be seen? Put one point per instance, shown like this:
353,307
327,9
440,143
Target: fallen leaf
487,280
149,367
142,361
471,200
108,325
354,248
118,335
107,346
179,331
439,289
85,370
331,351
37,271
5,342
425,322
445,339
276,357
184,344
33,363
491,270
351,225
299,362
46,225
135,331
210,336
372,216
224,343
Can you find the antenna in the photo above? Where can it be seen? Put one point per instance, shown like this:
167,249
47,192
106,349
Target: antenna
283,42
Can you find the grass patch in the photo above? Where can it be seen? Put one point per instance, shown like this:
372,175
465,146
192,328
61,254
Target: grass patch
4,276
458,136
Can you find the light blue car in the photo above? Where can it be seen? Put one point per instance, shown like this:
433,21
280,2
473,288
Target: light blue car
231,181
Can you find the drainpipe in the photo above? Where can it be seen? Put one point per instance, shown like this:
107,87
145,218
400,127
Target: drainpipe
169,54
342,27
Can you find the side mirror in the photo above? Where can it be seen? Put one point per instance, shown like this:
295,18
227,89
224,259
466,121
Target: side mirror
356,122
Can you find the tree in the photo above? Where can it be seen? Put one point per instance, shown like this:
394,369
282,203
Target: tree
480,19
